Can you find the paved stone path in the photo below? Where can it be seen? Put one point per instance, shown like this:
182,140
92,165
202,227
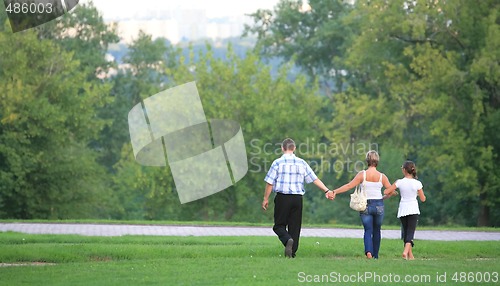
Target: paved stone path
175,230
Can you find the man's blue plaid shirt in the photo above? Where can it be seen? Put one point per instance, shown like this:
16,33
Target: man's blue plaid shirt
288,173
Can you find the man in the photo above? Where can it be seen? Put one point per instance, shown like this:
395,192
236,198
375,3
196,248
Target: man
286,178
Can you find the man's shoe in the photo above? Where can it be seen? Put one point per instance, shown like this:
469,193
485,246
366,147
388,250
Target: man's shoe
288,248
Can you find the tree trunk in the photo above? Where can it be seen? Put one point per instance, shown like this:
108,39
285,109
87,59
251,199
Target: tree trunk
483,218
231,210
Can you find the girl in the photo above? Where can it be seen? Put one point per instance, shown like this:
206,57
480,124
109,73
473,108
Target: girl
408,211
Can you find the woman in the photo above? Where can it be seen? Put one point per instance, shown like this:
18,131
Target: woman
373,216
408,210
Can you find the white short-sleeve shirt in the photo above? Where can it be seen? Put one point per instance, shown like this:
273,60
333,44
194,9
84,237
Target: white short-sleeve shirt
408,189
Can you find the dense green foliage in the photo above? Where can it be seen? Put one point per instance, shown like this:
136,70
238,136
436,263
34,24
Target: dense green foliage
48,117
414,80
419,78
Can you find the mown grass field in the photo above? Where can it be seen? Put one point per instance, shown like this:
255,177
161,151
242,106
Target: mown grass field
155,260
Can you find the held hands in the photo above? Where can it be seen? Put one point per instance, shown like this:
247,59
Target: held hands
392,194
330,195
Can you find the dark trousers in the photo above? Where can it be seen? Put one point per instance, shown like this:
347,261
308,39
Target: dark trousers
288,218
409,224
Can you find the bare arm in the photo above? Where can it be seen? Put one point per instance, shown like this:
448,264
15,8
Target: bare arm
391,190
356,181
267,193
385,181
421,195
328,193
387,186
320,185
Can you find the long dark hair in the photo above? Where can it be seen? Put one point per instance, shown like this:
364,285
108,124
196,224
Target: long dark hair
410,168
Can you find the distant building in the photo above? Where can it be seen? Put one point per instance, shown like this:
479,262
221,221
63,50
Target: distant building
180,25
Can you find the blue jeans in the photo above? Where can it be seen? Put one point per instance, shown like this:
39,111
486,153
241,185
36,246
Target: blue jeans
372,219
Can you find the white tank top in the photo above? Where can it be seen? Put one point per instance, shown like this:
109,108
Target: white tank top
373,189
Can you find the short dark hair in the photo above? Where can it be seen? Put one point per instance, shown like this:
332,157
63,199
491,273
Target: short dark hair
288,144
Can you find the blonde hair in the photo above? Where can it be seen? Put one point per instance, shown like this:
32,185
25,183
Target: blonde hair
372,158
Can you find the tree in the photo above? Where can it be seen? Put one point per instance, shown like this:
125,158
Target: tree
243,90
240,89
84,33
139,76
139,189
313,35
433,65
421,81
47,118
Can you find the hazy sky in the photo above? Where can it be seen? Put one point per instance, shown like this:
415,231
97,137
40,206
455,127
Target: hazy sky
214,8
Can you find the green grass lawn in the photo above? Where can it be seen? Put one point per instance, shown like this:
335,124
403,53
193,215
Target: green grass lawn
155,260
